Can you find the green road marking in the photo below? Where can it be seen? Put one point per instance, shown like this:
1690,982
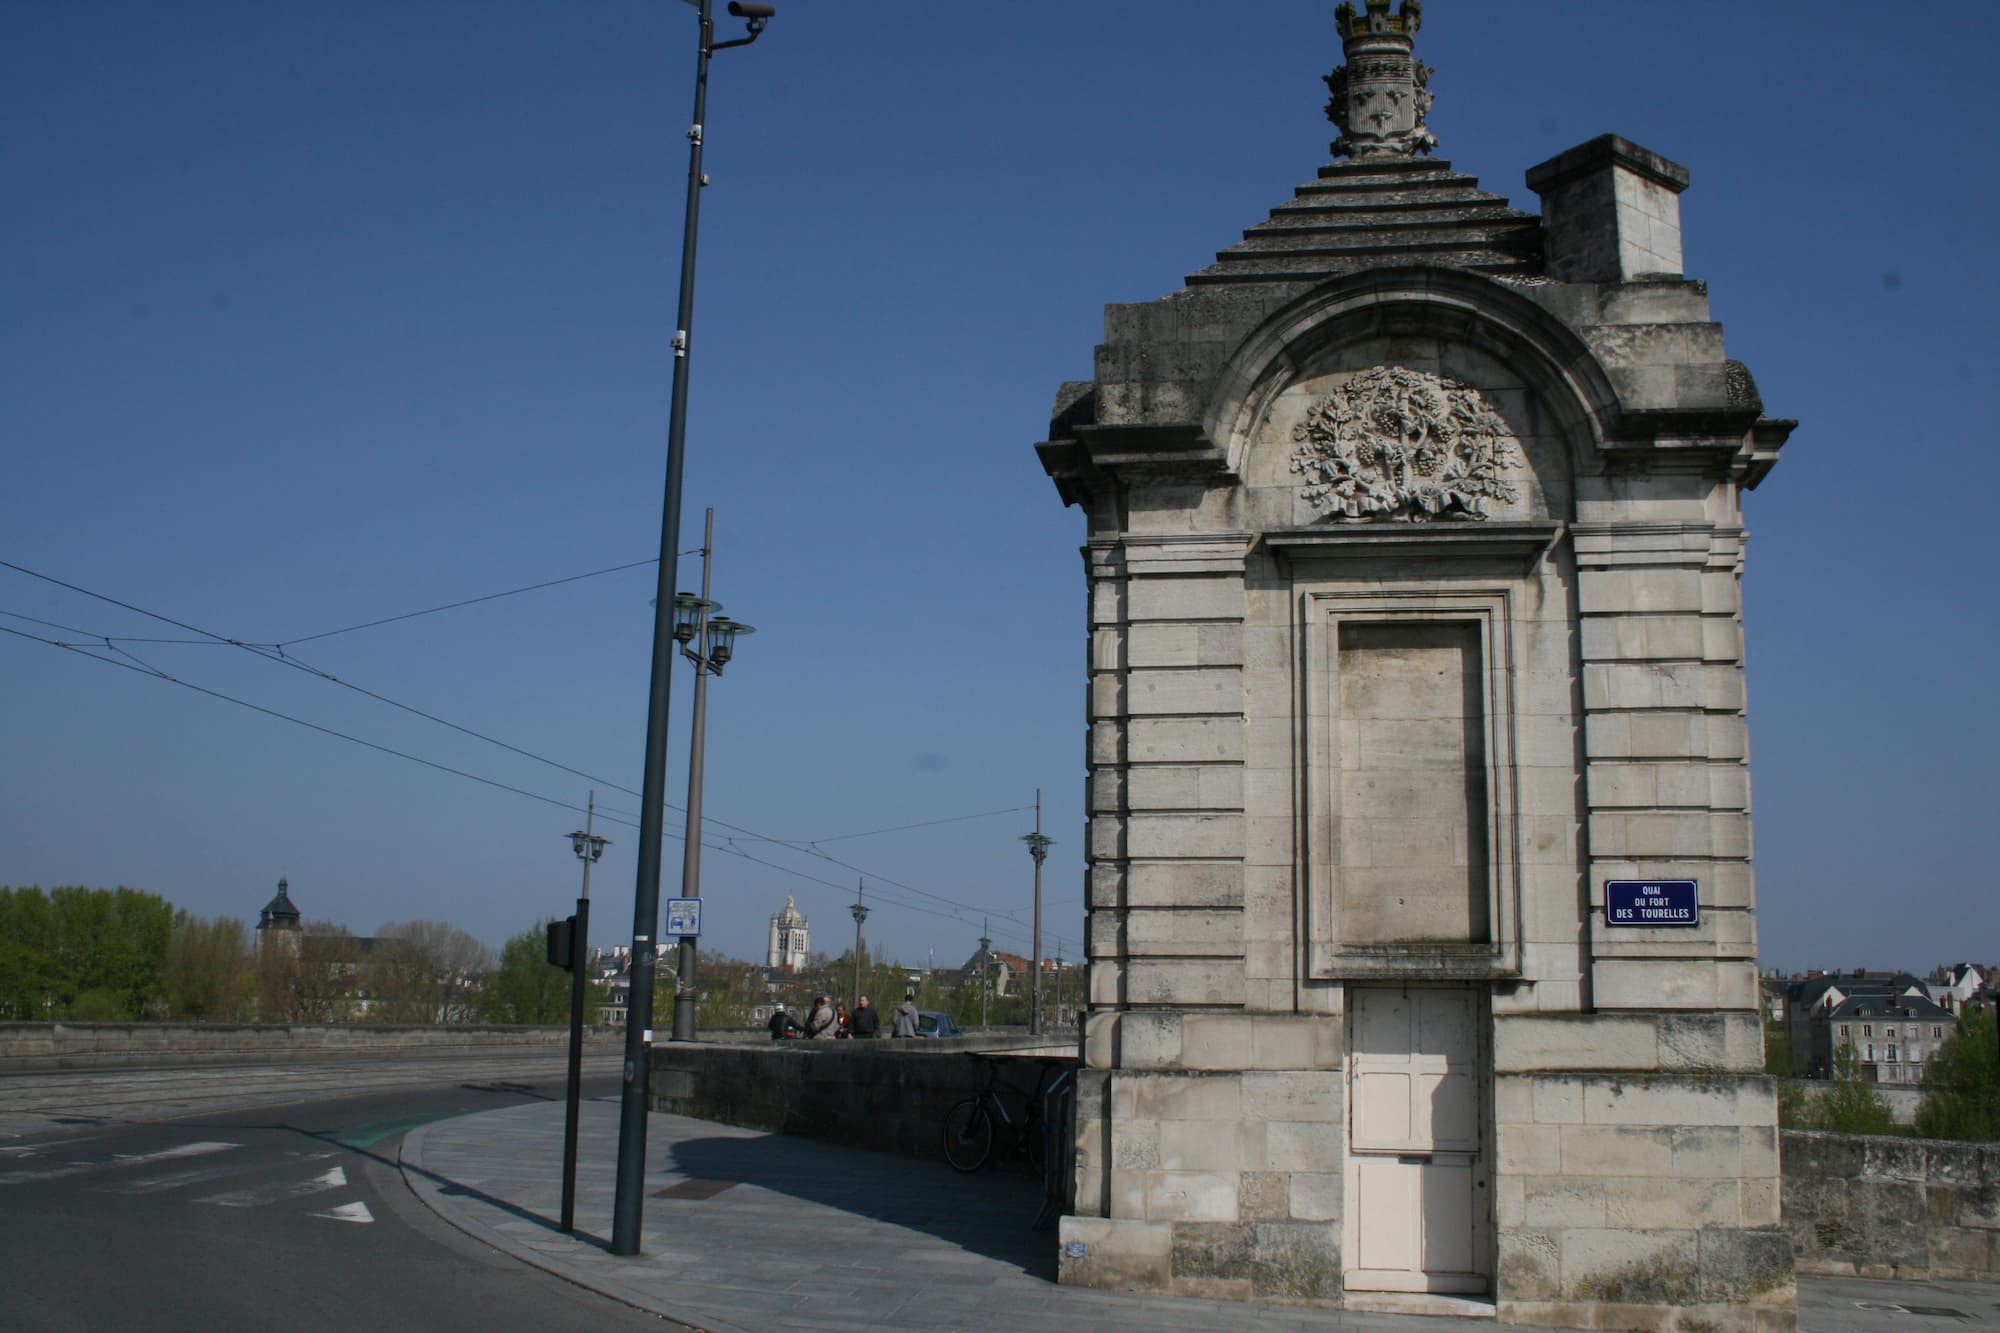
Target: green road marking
372,1133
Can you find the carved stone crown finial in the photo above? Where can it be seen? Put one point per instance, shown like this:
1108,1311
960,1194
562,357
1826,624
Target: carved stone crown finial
1382,94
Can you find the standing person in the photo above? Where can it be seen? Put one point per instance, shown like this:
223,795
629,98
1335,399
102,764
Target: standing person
781,1024
821,1022
903,1018
866,1022
843,1025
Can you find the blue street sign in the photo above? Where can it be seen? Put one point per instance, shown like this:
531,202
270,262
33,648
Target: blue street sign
1651,902
683,917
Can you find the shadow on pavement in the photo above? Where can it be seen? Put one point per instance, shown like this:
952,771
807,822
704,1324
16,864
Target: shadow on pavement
454,1189
985,1213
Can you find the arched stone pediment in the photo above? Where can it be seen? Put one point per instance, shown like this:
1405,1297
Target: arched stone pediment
1477,345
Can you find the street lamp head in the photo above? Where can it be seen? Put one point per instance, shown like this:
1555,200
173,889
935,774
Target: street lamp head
1038,845
587,845
688,612
722,635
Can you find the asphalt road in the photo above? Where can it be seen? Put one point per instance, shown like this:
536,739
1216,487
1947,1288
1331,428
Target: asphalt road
265,1197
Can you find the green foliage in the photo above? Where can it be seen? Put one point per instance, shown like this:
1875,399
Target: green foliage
98,1006
57,947
417,972
207,973
1778,1059
1847,1105
1963,1101
721,1010
527,988
307,976
27,956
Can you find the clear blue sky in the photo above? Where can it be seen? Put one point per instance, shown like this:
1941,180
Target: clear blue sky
314,314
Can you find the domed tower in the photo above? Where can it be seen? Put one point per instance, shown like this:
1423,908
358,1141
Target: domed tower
790,948
278,925
1422,949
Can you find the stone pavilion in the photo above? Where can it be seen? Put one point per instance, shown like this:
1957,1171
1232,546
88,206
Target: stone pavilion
1422,956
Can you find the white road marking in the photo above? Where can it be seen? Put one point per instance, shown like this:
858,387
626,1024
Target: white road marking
30,1149
172,1180
176,1179
335,1179
348,1212
117,1162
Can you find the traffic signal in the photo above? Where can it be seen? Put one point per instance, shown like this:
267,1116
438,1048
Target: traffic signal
562,943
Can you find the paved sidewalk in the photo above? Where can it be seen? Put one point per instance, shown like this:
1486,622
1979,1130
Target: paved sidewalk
763,1232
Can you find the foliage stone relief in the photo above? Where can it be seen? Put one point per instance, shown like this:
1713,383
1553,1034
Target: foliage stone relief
1405,446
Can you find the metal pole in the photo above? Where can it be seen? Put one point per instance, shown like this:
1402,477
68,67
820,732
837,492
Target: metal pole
687,997
1039,850
631,1184
985,970
860,914
1059,984
578,957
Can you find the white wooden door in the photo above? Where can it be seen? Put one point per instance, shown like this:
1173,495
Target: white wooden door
1417,1213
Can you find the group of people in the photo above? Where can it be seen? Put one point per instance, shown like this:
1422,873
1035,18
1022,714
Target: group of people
828,1020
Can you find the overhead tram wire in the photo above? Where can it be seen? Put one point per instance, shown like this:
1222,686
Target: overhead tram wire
157,674
471,601
145,669
275,653
325,634
903,828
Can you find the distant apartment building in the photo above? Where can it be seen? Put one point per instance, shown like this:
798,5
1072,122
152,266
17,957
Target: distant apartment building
1962,985
1888,1019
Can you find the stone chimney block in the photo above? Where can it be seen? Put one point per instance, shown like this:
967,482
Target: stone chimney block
1611,212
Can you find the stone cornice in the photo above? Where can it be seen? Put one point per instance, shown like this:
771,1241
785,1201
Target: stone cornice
1522,542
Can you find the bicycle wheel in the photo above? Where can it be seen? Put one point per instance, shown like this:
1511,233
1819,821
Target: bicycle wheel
968,1135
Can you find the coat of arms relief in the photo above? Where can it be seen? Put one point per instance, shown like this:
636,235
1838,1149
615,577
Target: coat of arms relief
1405,446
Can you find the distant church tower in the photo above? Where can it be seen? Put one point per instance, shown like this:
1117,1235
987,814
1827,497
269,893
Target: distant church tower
278,924
789,940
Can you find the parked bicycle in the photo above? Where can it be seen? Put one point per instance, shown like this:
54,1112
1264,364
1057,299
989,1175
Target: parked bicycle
975,1127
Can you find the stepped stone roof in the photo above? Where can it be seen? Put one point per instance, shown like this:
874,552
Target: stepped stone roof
1381,212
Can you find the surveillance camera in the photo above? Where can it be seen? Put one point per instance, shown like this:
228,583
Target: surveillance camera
744,10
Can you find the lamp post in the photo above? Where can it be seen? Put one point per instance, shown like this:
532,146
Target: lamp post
707,641
589,849
631,1183
1038,847
1059,984
985,971
860,911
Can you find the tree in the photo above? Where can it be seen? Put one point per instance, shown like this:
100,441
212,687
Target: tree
27,956
306,976
74,952
527,988
1849,1105
730,990
418,972
207,977
1963,1100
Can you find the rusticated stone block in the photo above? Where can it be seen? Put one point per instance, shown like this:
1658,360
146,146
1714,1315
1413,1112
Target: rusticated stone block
1891,1217
1264,1196
1213,1249
1119,1253
1745,1267
1530,1265
1296,1261
1629,1267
